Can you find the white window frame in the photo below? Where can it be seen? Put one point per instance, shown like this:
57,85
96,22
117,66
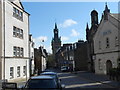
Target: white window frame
18,71
11,72
15,51
24,70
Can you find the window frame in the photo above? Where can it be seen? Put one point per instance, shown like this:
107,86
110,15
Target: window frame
11,72
107,43
18,71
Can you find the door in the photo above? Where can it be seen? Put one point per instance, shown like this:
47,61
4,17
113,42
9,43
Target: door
108,66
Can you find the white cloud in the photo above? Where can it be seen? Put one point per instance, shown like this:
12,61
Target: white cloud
63,38
38,40
49,49
67,23
74,33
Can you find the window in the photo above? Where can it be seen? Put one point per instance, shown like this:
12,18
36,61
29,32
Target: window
100,64
14,51
17,14
18,71
14,10
116,41
17,51
21,33
20,14
99,44
14,31
17,32
107,43
24,70
11,72
21,52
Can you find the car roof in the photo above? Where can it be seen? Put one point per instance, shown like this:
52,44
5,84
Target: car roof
42,77
53,73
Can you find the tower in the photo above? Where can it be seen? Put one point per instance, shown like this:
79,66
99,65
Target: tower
87,32
94,18
56,41
106,11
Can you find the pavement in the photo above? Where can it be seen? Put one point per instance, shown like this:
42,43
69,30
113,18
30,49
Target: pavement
104,79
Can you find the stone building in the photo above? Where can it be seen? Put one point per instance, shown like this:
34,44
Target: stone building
90,32
56,42
14,41
40,59
80,56
73,55
107,43
31,50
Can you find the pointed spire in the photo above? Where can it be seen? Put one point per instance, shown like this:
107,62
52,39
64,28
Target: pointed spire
87,27
55,25
106,8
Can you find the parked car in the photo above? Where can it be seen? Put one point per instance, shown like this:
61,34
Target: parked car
64,68
53,74
42,82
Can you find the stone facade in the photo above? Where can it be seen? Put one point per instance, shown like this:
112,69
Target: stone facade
14,41
32,66
107,43
73,55
40,59
89,37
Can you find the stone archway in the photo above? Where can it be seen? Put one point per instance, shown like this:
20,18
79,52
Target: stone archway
108,66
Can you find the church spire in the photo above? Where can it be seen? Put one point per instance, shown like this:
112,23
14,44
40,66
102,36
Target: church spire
106,8
106,11
55,25
87,27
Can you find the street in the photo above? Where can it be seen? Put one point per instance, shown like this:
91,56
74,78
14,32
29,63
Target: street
74,81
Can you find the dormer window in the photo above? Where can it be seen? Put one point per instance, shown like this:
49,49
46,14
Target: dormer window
17,14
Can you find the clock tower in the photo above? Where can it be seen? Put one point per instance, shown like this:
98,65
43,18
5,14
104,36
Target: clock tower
56,41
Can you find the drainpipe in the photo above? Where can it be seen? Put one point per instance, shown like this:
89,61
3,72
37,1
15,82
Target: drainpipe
4,38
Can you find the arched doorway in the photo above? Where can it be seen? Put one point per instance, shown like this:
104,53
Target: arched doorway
108,66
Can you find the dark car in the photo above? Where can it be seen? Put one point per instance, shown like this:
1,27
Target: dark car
53,74
42,82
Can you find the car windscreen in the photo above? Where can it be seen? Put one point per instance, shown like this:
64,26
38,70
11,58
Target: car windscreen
53,75
41,83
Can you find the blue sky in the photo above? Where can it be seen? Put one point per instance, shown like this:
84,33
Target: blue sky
71,18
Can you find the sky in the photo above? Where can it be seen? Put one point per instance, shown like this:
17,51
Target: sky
71,19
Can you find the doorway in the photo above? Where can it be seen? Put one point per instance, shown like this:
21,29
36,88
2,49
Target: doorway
108,66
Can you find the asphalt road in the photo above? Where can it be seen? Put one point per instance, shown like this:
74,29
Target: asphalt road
74,81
